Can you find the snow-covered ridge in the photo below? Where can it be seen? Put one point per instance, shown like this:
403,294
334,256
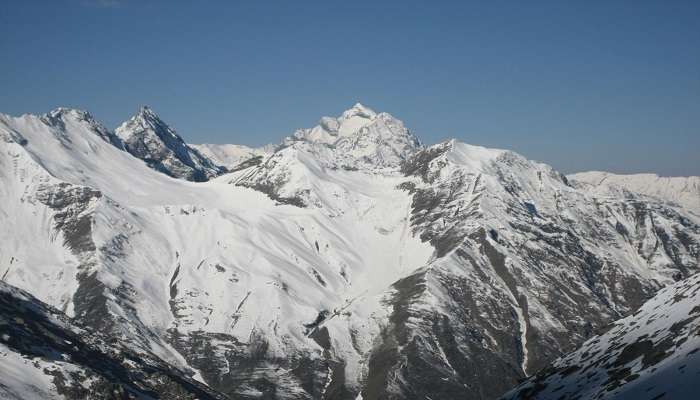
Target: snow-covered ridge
683,191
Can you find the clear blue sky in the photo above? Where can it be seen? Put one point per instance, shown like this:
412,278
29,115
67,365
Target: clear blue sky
612,85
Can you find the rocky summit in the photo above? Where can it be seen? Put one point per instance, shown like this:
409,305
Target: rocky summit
349,261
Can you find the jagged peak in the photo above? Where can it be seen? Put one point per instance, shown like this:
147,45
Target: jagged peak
147,113
148,137
148,116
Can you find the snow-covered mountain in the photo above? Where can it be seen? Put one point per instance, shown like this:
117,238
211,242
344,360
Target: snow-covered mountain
651,354
681,191
351,261
147,137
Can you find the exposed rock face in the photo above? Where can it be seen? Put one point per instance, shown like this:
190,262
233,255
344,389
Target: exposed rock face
147,137
351,260
652,354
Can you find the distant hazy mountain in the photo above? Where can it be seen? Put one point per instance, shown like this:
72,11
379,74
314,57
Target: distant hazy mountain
681,191
232,156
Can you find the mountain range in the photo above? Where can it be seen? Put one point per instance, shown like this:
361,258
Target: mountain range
349,261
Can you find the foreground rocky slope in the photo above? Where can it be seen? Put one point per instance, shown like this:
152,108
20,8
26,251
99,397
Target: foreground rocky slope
352,261
652,354
44,356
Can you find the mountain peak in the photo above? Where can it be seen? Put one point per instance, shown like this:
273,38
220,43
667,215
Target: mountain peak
147,112
361,137
147,122
358,110
147,118
351,123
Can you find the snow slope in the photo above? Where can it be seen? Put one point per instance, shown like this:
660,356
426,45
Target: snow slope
350,261
652,354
